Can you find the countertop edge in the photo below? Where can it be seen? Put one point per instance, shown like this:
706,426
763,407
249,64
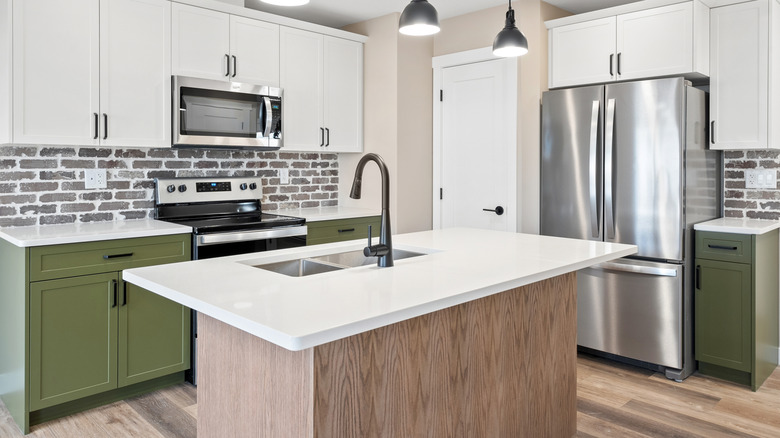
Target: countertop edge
738,226
167,229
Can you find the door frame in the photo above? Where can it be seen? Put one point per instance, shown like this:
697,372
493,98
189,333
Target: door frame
510,65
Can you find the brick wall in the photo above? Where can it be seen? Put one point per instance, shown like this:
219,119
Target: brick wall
42,185
750,203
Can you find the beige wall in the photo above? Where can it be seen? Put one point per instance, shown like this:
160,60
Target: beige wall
398,108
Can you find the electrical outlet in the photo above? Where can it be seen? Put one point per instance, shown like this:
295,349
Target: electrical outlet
95,179
760,178
284,176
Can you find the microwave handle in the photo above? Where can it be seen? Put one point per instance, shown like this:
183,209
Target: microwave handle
268,116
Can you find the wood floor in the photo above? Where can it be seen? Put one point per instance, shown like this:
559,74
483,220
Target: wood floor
613,400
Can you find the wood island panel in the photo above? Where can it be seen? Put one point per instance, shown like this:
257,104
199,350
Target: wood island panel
499,366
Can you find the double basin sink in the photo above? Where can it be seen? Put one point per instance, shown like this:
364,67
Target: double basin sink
330,262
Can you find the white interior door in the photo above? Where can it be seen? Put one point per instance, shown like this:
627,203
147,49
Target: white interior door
477,156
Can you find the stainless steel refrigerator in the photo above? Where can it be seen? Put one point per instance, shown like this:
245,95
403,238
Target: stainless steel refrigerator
628,163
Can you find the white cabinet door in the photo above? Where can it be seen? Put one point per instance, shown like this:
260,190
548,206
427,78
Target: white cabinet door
55,71
254,48
655,42
343,76
582,53
135,76
301,55
201,42
739,81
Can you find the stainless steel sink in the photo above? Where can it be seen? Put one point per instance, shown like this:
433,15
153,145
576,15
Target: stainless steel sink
352,259
330,262
299,267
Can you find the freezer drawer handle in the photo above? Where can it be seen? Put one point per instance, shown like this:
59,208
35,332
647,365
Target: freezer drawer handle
647,270
727,248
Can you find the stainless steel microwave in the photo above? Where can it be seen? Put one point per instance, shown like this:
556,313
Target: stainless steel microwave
226,114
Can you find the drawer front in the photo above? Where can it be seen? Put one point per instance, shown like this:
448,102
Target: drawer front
724,246
341,230
70,260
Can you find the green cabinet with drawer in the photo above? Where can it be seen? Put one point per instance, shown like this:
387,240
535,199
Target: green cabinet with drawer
88,338
736,305
341,229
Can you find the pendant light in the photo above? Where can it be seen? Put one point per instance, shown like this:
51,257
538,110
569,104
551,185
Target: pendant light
510,41
286,2
419,18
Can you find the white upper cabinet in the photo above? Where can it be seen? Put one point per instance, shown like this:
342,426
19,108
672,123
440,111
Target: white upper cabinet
744,67
322,79
135,73
91,72
55,81
582,53
662,41
215,45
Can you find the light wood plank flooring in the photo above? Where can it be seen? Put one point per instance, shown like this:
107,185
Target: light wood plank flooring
614,400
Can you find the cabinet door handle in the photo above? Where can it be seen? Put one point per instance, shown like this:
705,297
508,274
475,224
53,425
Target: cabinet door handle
116,256
124,293
611,70
227,65
113,286
698,277
727,248
619,72
235,65
327,132
105,126
97,126
712,132
322,137
346,230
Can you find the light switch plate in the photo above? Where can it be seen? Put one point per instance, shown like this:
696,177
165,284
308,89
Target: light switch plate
95,179
284,176
760,178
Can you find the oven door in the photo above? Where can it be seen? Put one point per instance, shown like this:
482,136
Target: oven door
215,113
206,246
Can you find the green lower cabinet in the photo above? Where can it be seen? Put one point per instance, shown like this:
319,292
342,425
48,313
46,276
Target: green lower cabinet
72,339
340,230
736,306
154,336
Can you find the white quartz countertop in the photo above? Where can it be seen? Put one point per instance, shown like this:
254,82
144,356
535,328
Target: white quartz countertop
39,235
738,225
316,214
302,312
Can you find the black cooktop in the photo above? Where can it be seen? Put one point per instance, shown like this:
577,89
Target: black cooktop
238,222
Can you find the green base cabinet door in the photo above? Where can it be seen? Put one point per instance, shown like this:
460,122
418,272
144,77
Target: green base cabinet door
72,338
154,336
339,230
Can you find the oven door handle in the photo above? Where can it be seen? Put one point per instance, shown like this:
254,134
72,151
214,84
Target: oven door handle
242,236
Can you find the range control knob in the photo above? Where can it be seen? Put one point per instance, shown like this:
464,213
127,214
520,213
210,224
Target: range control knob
182,188
243,186
252,186
171,188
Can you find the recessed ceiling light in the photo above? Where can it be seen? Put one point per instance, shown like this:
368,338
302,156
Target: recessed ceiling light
286,2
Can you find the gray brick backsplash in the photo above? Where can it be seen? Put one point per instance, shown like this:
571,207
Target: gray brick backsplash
741,202
44,185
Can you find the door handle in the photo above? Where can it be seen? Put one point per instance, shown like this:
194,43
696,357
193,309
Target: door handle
698,277
322,137
235,69
115,256
124,293
327,138
619,72
712,132
97,126
609,132
498,210
227,65
727,248
611,63
105,126
346,230
594,126
113,286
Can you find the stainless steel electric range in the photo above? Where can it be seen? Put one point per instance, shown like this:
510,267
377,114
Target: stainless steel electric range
226,218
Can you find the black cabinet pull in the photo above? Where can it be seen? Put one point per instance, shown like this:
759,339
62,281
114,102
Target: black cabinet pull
322,136
124,293
234,67
712,132
611,70
727,248
113,285
115,256
698,277
105,126
97,126
619,72
227,65
327,142
346,230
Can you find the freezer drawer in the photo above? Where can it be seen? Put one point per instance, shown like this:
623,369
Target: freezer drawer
634,309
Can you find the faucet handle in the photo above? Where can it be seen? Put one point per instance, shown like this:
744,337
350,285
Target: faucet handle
374,250
369,236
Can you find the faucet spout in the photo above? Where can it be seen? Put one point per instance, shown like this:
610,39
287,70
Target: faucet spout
385,248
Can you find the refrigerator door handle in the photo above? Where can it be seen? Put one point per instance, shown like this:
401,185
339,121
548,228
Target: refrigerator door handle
646,270
594,126
609,140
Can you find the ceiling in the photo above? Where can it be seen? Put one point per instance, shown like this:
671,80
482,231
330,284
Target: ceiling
339,13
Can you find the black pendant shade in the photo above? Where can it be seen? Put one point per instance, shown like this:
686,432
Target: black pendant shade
419,18
510,41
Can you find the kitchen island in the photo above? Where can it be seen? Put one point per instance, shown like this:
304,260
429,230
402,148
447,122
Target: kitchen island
476,337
